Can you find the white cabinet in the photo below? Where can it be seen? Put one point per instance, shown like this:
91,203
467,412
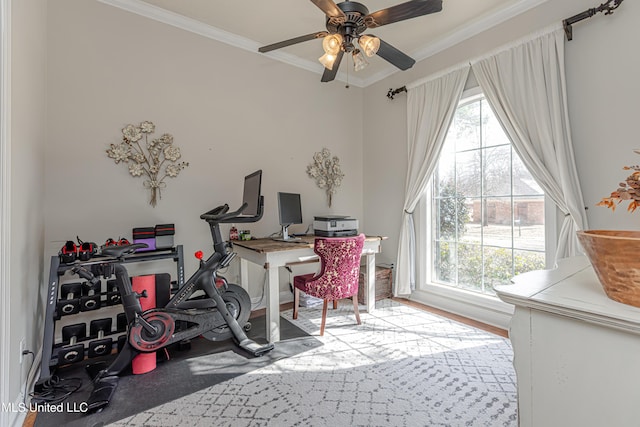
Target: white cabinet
576,352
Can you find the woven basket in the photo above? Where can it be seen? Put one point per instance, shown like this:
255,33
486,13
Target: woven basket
614,255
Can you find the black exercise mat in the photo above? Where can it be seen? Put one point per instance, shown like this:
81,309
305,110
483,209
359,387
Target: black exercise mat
205,364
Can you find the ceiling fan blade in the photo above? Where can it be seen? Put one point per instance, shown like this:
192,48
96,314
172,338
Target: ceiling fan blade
328,74
331,10
394,56
289,42
402,11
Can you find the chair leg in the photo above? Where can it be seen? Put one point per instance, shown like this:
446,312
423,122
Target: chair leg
355,308
324,316
296,301
335,304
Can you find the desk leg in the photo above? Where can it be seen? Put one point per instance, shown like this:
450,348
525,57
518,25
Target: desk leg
273,305
244,274
370,282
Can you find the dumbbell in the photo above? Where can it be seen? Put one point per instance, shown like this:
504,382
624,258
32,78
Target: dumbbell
113,294
72,352
70,299
104,270
91,301
86,250
102,346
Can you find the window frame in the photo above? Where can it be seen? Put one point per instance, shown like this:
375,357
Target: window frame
465,302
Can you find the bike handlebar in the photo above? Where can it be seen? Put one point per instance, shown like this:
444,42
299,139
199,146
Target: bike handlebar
221,214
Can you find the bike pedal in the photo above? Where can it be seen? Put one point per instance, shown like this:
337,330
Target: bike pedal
103,390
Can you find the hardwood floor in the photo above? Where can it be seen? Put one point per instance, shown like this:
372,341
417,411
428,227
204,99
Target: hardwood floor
494,330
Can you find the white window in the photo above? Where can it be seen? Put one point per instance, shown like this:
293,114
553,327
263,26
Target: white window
486,214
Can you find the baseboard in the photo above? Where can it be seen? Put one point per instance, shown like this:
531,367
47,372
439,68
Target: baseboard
259,307
258,303
480,309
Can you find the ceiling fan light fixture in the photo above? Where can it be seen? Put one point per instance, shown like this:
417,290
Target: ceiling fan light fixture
369,44
359,61
332,44
328,60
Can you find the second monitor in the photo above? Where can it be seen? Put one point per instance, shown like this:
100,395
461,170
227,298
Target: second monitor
290,212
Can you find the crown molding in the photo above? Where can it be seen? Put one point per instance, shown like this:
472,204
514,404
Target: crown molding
194,26
454,37
476,27
461,34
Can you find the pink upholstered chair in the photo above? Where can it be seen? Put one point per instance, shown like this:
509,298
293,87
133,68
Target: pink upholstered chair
338,276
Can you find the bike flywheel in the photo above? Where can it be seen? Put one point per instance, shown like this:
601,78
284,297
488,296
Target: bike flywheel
143,340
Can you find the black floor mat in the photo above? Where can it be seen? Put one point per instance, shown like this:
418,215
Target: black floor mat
204,365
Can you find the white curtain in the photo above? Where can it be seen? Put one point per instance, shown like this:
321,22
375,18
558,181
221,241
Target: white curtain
430,110
526,88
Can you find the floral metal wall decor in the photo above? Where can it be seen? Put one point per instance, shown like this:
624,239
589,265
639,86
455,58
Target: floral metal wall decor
326,171
155,159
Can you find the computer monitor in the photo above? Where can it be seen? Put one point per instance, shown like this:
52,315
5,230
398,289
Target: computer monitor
290,212
251,194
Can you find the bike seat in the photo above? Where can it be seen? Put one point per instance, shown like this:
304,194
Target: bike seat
120,251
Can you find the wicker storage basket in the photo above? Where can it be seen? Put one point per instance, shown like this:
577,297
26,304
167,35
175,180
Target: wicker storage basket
614,256
383,284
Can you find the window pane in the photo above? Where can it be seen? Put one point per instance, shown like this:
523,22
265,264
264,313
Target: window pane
523,182
497,225
498,267
471,232
465,131
468,173
470,266
492,133
497,171
446,174
528,224
524,261
444,262
450,218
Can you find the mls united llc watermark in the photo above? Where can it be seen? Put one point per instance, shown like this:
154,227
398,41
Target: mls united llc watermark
45,407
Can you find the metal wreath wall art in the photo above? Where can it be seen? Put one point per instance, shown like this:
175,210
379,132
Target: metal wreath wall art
325,169
155,159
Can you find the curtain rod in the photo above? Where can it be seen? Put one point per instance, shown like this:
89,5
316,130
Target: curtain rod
608,7
392,92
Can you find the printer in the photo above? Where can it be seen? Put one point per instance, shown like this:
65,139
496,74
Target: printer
335,226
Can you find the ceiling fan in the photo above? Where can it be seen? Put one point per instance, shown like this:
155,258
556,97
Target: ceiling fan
347,21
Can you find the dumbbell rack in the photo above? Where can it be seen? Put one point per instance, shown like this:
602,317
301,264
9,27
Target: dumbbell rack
55,306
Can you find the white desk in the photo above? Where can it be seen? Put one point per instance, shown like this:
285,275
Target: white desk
575,350
272,255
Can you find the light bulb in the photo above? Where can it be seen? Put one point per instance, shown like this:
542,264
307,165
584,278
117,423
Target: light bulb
359,62
327,60
332,43
369,44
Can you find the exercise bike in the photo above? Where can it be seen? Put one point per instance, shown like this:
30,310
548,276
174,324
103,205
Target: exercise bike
221,311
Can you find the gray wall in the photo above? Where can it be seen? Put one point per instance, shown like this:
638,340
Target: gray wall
26,139
230,112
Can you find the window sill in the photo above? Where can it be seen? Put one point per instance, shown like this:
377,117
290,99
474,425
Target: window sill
482,308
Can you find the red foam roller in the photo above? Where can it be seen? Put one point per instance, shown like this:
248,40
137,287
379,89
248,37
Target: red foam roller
144,362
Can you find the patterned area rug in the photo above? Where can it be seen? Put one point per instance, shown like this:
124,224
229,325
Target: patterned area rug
401,367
